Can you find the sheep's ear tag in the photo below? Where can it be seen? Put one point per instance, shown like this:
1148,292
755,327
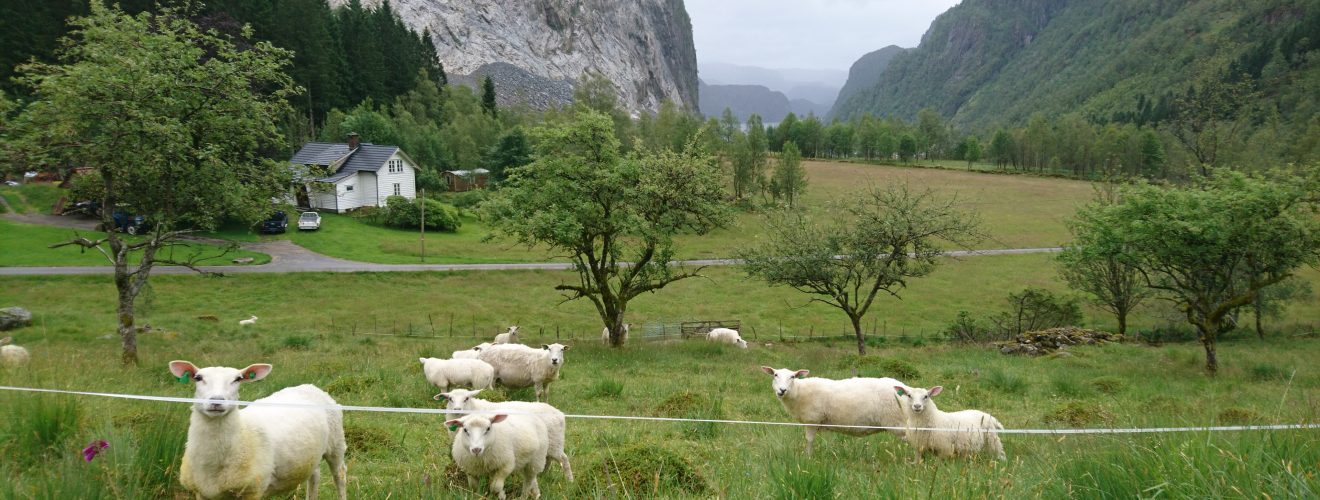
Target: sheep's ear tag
187,374
453,427
252,375
801,375
901,392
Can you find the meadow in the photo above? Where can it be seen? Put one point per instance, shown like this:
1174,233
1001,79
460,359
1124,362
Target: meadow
358,335
29,245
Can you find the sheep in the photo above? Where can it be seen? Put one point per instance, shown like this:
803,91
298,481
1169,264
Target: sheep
259,451
12,355
520,445
248,322
517,365
509,337
605,334
821,401
464,400
975,428
470,353
726,336
444,373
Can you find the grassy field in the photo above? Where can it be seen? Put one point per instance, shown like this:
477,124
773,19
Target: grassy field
28,245
34,198
1019,211
407,456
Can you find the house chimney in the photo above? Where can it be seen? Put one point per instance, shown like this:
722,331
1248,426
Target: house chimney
352,141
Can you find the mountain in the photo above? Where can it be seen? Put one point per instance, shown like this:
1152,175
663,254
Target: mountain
819,86
865,74
743,100
803,107
989,62
532,48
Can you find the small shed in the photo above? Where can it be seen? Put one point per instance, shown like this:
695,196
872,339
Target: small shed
466,180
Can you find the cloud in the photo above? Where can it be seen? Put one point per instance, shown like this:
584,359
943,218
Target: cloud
806,33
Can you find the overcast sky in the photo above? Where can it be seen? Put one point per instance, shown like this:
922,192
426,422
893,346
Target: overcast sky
823,34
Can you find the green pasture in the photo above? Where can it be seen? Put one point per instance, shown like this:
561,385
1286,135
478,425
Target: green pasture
32,198
29,245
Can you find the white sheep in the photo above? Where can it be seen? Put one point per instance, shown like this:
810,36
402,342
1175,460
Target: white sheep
726,336
520,445
821,401
259,451
444,373
470,353
464,400
12,355
248,322
509,337
975,434
605,334
517,365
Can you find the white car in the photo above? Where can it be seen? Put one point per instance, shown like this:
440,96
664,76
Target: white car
309,221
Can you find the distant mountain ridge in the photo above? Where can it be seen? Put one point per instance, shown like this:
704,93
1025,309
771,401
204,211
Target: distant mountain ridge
804,90
863,75
990,62
743,100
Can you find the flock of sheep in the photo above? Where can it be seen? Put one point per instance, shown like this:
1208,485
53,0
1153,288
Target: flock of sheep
270,449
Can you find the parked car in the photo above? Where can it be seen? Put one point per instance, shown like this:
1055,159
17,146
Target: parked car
309,221
129,223
278,222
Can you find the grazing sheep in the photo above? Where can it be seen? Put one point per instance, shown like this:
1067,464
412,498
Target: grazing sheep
248,322
821,401
605,334
464,400
470,353
12,355
726,336
519,446
509,337
444,373
259,451
517,365
975,428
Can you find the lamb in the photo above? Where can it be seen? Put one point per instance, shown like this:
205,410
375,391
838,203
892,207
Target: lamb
517,365
605,334
509,337
520,445
470,353
976,432
12,355
821,401
726,336
260,451
248,322
464,400
444,373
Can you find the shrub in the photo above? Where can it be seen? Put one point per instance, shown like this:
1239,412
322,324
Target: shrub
403,213
468,199
1035,309
965,328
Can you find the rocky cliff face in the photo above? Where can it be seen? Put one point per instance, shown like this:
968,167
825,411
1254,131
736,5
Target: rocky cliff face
643,46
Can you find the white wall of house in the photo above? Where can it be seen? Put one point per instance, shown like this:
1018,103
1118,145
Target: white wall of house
404,175
367,190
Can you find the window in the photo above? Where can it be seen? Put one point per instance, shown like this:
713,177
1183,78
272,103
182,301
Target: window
396,166
348,187
397,190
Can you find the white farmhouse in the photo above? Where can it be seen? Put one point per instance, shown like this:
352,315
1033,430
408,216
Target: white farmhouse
361,174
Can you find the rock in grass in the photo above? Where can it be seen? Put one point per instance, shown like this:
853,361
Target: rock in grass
243,260
14,317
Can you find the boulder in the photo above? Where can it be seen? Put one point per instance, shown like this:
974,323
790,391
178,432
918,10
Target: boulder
14,317
1055,340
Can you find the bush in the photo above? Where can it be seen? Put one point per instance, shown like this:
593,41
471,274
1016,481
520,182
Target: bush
965,328
403,213
468,199
1035,309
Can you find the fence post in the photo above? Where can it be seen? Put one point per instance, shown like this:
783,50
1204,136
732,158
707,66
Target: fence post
432,322
451,325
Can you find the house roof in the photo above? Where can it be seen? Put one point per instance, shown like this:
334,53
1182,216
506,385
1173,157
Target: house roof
479,171
368,157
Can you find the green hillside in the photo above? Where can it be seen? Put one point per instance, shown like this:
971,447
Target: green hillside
988,63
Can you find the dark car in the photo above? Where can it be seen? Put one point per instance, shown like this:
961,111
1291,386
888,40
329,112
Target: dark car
278,222
129,223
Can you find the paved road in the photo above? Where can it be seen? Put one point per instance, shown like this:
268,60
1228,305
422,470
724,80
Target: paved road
289,258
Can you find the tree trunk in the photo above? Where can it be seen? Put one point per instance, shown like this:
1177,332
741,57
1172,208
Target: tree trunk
1211,363
857,329
127,328
1260,332
1122,322
615,324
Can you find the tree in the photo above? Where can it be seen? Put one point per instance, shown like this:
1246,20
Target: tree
1211,248
174,119
1095,264
744,163
511,152
907,147
971,150
614,216
790,178
1206,119
488,96
1001,148
874,243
